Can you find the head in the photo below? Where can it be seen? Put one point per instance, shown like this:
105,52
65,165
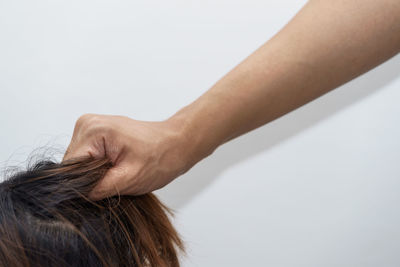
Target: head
46,219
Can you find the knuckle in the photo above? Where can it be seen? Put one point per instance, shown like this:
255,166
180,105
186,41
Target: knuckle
91,123
83,119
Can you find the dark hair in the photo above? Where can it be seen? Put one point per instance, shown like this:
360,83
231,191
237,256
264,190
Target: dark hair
46,219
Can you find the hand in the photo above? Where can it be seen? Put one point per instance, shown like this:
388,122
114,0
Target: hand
145,155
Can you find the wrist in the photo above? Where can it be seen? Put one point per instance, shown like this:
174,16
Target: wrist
191,135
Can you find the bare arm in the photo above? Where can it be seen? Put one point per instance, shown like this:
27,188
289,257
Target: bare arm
325,45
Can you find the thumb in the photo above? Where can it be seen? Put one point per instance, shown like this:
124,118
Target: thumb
109,185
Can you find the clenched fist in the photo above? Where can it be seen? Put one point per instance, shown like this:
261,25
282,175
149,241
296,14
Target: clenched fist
145,155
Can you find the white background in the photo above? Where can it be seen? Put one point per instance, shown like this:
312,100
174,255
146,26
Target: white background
317,187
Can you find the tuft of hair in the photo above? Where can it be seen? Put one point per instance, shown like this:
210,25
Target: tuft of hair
46,219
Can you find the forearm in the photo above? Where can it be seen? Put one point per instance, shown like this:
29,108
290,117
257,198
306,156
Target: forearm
325,45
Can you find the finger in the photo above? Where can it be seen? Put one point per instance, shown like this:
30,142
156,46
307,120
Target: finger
110,185
67,154
72,153
93,147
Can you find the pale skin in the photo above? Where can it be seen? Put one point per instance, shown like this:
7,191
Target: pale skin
324,46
